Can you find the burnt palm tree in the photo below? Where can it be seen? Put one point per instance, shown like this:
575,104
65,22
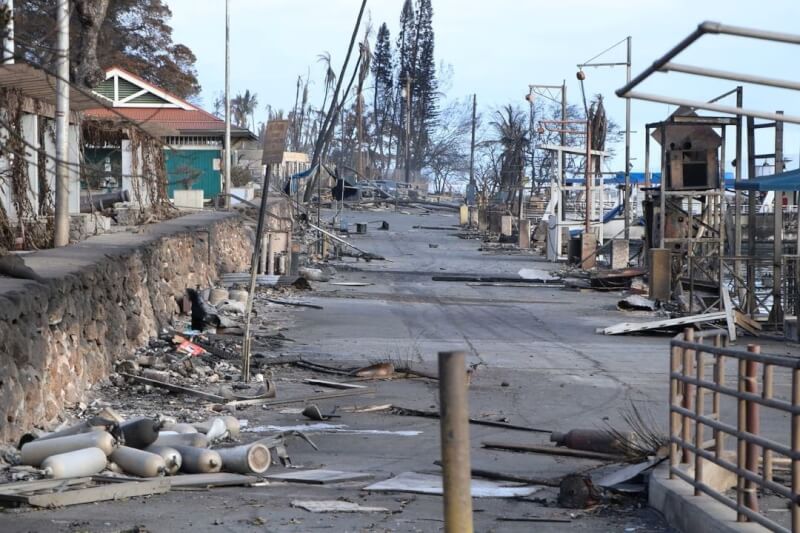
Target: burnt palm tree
511,127
243,108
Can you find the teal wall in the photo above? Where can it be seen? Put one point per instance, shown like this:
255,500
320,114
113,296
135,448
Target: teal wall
183,164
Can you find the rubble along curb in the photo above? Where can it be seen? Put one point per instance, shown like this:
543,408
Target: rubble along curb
103,298
675,499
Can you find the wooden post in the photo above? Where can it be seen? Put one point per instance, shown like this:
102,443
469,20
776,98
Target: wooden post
753,427
457,477
699,401
686,425
674,418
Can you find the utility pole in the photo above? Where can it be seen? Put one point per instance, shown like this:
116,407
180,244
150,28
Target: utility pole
408,130
472,186
8,35
627,64
61,222
228,157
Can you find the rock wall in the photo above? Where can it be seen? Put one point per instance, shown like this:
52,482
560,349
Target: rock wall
57,339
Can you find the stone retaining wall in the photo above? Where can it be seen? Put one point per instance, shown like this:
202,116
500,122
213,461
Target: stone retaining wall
104,298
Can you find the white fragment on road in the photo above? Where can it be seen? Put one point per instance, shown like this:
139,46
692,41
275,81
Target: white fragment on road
332,428
432,484
531,273
336,506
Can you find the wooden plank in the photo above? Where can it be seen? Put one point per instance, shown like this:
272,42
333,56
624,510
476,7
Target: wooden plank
304,399
220,479
477,421
630,327
41,484
333,384
551,450
98,494
174,388
730,318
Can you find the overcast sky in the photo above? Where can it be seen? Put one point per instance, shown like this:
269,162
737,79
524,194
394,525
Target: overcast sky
498,48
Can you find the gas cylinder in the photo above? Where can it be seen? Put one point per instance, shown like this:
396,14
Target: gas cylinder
171,456
140,432
196,440
181,428
248,459
593,440
79,463
199,460
232,423
139,462
34,452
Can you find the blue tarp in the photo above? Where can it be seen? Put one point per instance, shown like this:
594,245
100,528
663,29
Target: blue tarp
785,181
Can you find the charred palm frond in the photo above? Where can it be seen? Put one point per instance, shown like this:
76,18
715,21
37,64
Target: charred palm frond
643,436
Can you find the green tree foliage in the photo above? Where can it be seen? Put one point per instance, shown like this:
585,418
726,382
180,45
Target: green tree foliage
134,35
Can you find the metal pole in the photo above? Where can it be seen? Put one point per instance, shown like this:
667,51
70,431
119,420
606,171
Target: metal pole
472,146
61,222
563,202
8,35
737,223
587,177
753,427
262,215
228,157
627,192
408,132
454,411
751,219
777,253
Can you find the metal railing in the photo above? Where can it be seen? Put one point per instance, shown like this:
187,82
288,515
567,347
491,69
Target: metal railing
755,455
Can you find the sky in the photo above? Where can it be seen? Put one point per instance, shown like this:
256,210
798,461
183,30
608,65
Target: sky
498,48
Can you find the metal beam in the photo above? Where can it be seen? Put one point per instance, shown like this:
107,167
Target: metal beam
697,104
727,75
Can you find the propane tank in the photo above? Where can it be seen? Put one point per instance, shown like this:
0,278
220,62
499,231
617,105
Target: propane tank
248,459
232,423
140,432
139,462
181,428
171,456
592,440
214,428
34,452
84,426
85,462
196,440
199,460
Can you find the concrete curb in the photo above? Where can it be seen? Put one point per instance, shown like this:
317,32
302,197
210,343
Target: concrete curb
686,512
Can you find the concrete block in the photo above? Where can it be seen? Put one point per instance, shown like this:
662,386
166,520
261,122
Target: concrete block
506,225
588,251
463,215
675,499
619,254
660,273
188,199
525,234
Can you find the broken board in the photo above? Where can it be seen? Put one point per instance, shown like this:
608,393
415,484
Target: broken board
335,506
319,476
432,484
112,491
333,384
631,327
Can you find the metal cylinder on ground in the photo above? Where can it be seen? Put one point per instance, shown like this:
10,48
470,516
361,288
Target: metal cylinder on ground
140,432
216,296
139,462
78,463
83,426
594,440
238,295
196,440
457,478
34,452
172,457
199,460
181,427
252,458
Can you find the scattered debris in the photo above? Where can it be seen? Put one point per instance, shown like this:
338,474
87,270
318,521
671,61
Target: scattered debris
312,412
336,506
577,492
552,450
432,484
333,384
334,428
636,302
378,370
435,414
319,476
668,324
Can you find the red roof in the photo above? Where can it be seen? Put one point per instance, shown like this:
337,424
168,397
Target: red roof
174,121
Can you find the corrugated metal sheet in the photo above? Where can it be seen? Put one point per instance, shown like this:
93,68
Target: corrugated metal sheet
36,83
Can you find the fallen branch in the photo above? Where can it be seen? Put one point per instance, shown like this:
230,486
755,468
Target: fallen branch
491,423
293,304
302,399
552,450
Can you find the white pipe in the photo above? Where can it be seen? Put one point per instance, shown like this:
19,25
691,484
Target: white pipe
61,226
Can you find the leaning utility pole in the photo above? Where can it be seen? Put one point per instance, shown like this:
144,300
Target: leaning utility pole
472,186
61,222
8,34
228,157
